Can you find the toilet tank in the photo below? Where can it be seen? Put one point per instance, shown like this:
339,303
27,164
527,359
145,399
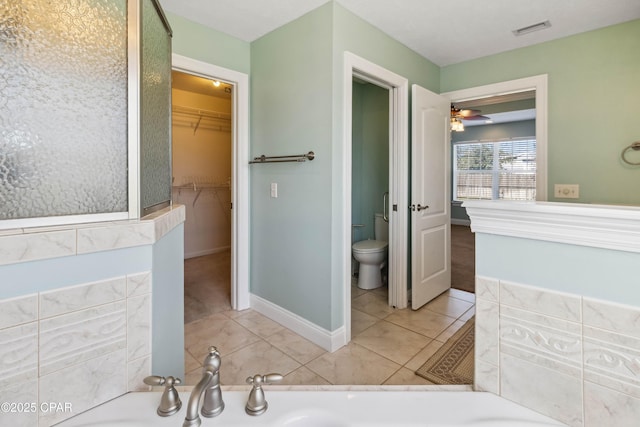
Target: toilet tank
380,228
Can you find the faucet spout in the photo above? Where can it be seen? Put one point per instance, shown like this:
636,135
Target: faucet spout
192,419
209,385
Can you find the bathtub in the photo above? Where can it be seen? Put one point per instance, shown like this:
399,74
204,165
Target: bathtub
327,409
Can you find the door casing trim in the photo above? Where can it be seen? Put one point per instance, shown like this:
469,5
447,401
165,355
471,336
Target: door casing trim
540,84
239,171
398,87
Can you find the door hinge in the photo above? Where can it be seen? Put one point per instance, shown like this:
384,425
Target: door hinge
395,208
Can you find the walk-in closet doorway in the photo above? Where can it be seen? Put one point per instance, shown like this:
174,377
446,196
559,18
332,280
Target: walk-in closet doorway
201,114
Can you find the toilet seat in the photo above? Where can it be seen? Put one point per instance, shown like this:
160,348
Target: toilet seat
369,246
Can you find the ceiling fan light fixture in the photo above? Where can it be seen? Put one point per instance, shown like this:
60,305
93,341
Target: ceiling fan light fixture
456,125
531,28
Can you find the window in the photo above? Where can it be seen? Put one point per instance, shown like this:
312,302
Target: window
495,170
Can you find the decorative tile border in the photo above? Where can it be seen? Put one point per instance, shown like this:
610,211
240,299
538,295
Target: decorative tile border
574,359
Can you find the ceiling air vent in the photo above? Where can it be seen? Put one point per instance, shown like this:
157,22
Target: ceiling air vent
531,28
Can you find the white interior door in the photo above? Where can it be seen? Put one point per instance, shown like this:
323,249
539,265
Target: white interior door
430,196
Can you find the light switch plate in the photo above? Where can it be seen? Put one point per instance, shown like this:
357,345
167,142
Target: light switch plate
274,189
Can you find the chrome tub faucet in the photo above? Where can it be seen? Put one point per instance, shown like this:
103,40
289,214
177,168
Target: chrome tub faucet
209,385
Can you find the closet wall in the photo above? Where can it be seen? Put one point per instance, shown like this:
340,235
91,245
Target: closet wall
202,169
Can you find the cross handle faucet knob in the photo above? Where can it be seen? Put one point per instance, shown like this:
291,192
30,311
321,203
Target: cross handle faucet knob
170,402
257,403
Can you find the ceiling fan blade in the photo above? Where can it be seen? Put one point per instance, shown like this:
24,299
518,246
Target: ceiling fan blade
476,117
467,113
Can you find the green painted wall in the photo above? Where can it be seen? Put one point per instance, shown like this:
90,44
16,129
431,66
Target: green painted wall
357,36
352,34
296,106
370,156
593,105
196,41
291,114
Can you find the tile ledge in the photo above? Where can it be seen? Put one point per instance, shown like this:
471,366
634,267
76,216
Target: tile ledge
162,222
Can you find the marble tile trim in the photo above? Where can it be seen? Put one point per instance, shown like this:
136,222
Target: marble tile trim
601,402
18,354
487,348
138,284
619,318
487,288
542,389
72,298
84,385
137,370
138,327
15,311
73,338
544,301
36,243
30,247
116,237
24,392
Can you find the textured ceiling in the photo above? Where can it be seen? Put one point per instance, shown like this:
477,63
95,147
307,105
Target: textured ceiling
445,32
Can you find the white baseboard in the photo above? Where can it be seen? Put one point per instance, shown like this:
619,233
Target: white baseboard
206,252
330,341
456,221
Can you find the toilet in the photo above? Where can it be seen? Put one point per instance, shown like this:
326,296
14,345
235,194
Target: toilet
372,255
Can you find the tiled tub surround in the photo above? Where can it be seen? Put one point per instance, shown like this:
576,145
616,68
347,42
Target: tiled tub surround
83,343
80,345
568,355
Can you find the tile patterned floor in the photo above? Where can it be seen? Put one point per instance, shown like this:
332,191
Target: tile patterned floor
395,342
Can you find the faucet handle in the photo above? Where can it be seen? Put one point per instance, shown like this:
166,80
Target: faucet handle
170,402
257,403
258,380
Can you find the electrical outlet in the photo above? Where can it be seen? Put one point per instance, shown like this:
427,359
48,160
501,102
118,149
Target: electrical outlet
566,191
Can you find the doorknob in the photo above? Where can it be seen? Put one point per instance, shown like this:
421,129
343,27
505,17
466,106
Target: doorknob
418,208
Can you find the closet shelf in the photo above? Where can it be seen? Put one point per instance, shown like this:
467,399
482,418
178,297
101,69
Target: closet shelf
194,117
199,112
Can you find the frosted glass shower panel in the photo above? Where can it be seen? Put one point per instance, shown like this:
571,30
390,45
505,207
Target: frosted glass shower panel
63,107
155,130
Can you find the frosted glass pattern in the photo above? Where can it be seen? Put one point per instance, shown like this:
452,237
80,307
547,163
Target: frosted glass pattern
63,107
155,144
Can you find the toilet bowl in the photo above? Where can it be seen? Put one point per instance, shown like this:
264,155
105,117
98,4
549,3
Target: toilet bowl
372,255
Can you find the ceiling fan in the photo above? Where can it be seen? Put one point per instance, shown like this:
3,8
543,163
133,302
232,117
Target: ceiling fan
457,113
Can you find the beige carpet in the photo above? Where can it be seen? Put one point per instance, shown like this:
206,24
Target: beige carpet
463,258
453,362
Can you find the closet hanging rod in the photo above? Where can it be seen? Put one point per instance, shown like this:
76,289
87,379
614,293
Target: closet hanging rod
180,109
281,159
